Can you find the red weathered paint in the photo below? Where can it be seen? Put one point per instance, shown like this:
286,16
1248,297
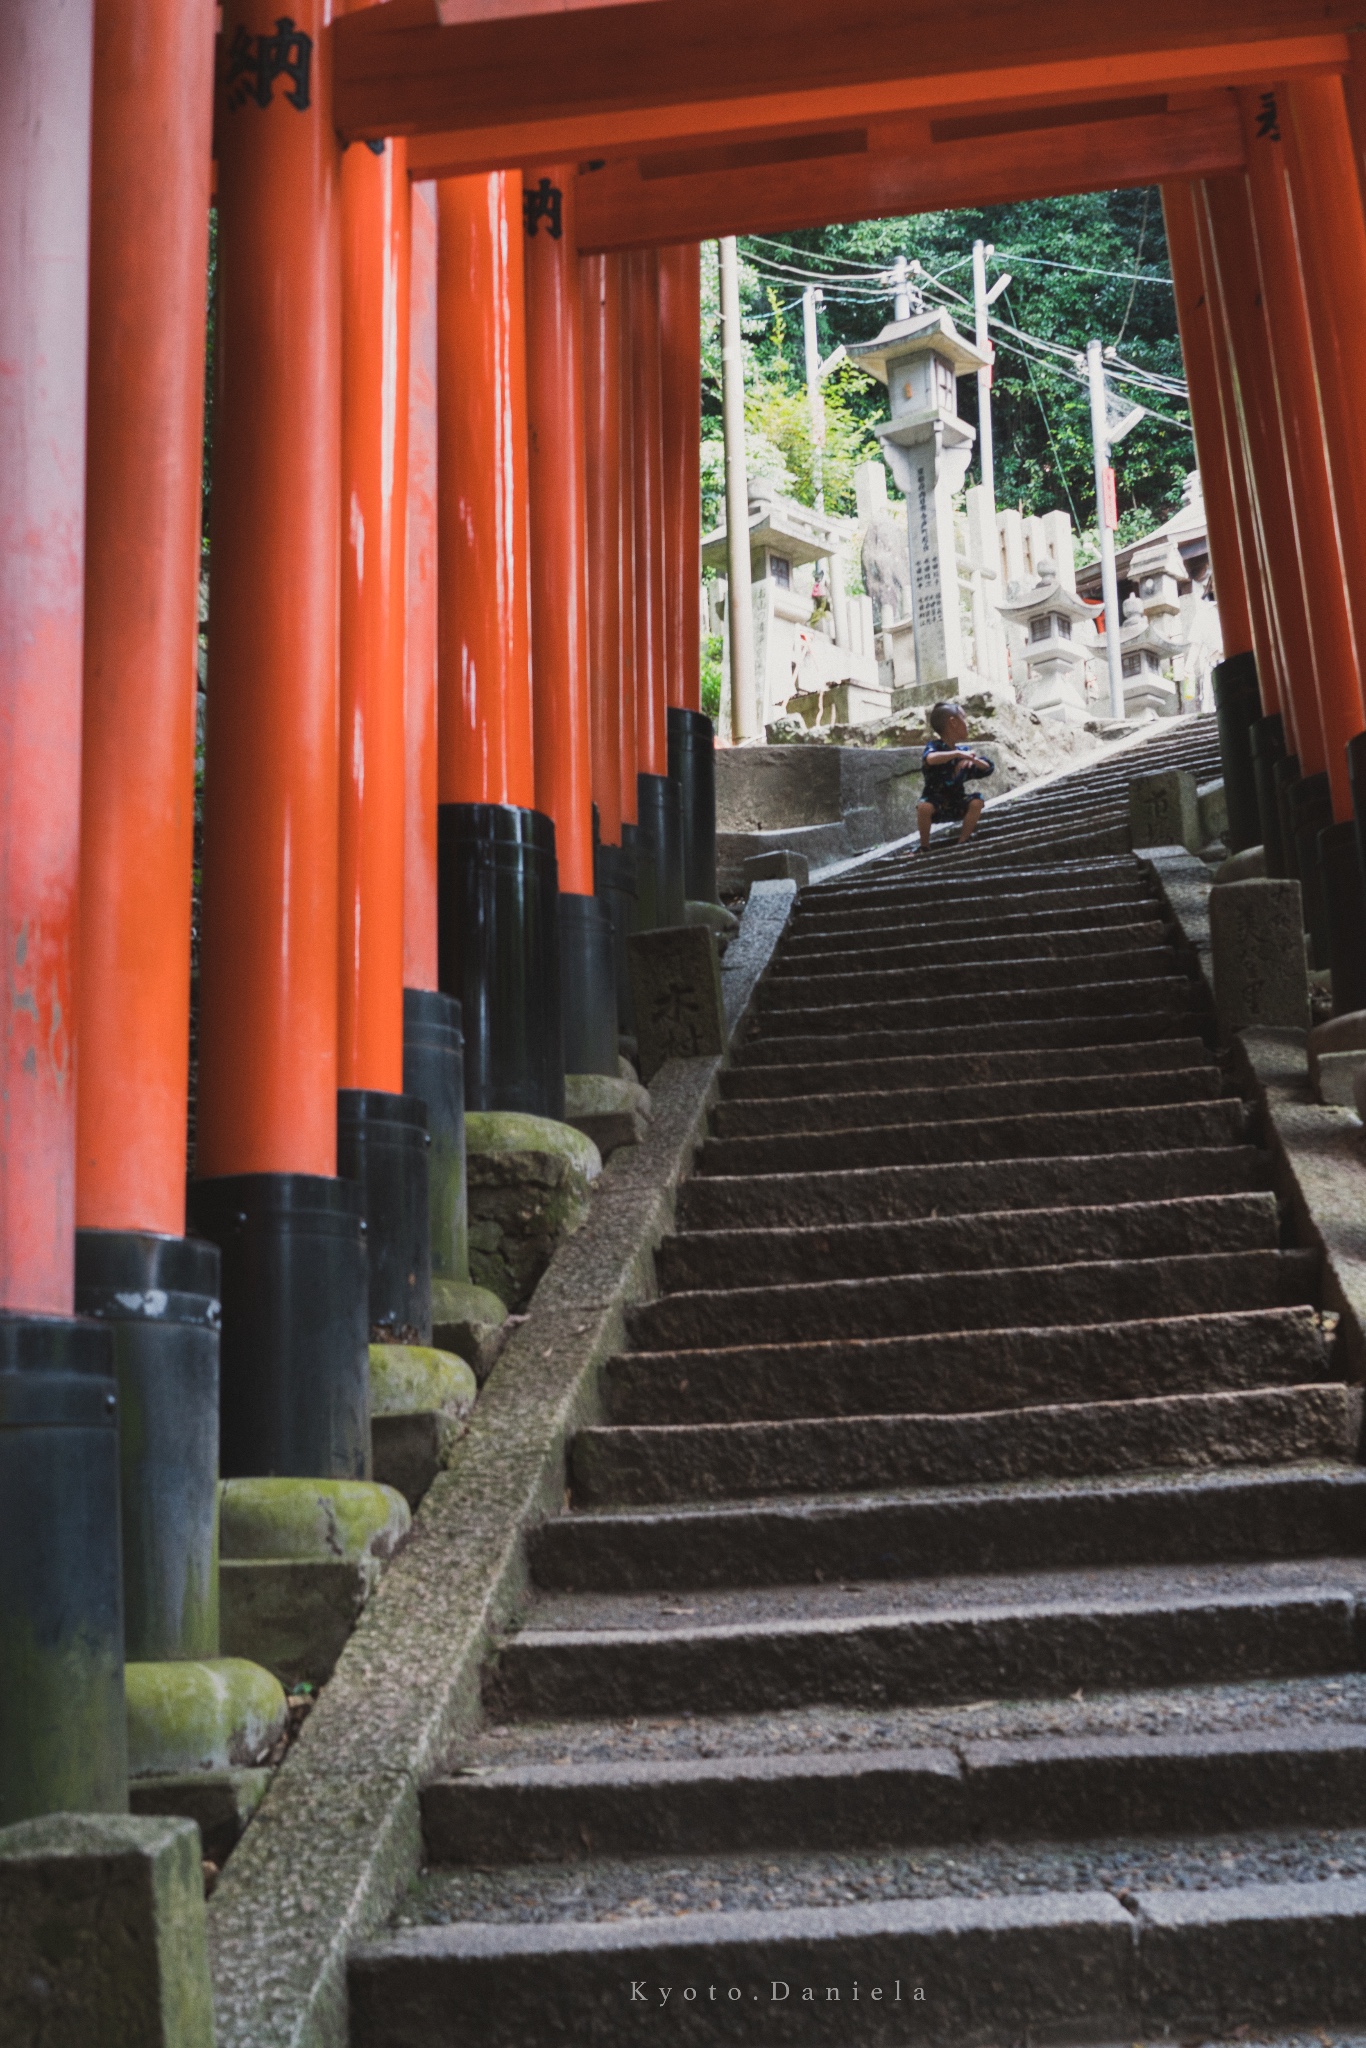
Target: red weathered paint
419,690
680,333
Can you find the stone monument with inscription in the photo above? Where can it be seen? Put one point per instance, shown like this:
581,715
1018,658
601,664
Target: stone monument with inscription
928,448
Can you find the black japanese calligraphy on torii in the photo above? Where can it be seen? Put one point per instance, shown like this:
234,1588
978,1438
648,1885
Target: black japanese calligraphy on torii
1268,119
544,204
255,62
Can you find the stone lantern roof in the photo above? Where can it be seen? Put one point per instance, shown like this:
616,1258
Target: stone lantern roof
1049,594
924,334
781,526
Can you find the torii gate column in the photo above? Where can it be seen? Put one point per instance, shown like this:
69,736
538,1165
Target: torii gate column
1241,666
1325,197
692,738
149,240
62,1724
600,278
1321,804
433,1043
559,611
381,1131
295,1325
660,817
498,908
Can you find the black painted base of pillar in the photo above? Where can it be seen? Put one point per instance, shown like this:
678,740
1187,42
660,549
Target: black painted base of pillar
498,953
434,1071
617,891
382,1143
1310,805
160,1296
295,1356
1283,773
588,986
659,827
63,1728
1267,736
692,765
1344,891
1237,701
1356,771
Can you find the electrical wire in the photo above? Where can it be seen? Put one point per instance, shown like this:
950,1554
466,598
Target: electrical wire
1090,269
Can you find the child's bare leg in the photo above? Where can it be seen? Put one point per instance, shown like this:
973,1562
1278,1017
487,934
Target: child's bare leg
924,818
970,821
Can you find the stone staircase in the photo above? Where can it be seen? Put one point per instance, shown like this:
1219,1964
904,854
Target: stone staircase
953,1634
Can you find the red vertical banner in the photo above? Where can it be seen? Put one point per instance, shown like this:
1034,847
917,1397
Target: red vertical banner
1111,499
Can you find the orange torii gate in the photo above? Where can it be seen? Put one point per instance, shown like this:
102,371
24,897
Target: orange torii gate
640,127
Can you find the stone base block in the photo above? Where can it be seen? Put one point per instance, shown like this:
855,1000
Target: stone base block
1337,1072
676,983
220,1803
1257,946
469,1321
102,1934
421,1400
292,1615
784,864
529,1179
716,918
610,1111
1164,810
201,1716
322,1519
1212,800
1247,866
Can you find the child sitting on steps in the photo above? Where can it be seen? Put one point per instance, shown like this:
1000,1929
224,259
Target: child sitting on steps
946,764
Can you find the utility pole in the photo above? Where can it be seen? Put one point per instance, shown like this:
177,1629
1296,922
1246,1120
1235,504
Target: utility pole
901,300
810,298
739,607
982,336
1106,519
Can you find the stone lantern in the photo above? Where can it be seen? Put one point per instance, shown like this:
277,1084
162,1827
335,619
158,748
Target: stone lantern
1057,629
928,449
1145,647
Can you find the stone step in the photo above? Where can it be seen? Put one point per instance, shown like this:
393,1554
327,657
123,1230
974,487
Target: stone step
929,1642
1059,1788
723,1259
966,1370
1155,987
892,952
1231,1515
849,1108
924,987
882,1193
944,1071
994,1968
837,935
1095,1291
850,1454
1046,885
927,909
1022,1031
1156,1127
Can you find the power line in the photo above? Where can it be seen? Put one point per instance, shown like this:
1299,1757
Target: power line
1090,269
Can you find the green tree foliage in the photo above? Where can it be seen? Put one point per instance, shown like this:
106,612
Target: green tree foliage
1095,264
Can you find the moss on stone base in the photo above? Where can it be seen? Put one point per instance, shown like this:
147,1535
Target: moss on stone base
407,1379
330,1520
529,1180
201,1716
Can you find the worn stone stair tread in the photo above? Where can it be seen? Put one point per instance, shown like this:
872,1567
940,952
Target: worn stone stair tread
1162,989
967,1370
507,1983
1171,1019
1091,1291
942,1071
961,881
849,1107
930,954
932,1641
982,970
842,935
1152,1127
847,1454
877,1194
723,1259
1212,1516
1051,1787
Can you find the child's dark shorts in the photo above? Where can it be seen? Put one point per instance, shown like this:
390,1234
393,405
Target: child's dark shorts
950,806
